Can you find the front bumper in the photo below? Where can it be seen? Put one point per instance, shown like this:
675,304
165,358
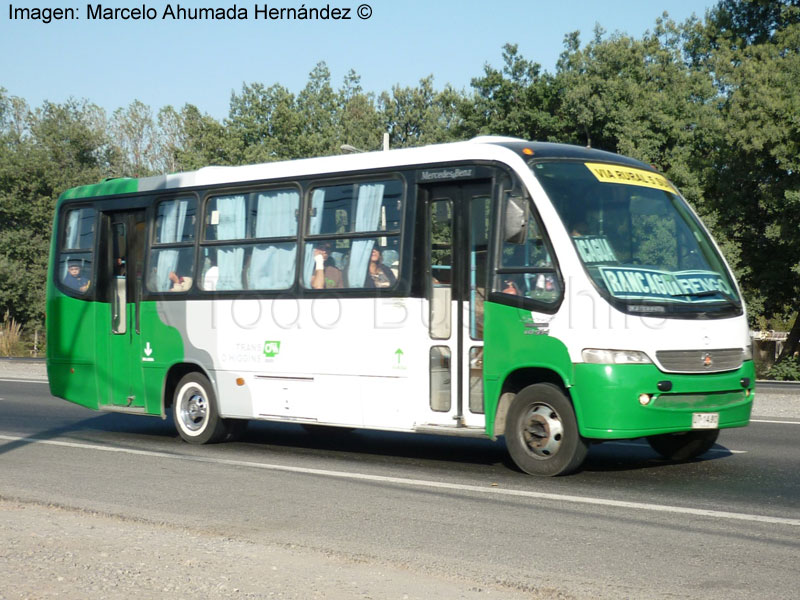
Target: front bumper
606,399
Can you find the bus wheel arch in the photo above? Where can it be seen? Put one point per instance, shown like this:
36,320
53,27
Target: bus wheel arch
515,382
171,379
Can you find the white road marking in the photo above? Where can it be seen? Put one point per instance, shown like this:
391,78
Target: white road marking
422,483
25,380
780,422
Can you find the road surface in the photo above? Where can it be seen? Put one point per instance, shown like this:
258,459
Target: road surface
114,506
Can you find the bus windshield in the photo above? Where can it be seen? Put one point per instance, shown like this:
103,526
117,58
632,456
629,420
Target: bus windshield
640,243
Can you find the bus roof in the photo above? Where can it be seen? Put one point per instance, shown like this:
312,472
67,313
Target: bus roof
479,148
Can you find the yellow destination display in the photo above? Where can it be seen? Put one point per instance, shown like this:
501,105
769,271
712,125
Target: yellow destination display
616,174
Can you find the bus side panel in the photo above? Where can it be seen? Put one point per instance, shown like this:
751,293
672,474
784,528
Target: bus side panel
290,359
72,360
161,347
512,341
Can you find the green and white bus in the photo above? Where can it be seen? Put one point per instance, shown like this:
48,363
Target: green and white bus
555,295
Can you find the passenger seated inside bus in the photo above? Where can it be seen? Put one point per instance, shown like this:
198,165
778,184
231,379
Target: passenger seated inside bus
73,278
210,278
326,275
511,287
171,270
179,283
378,274
391,259
210,271
579,229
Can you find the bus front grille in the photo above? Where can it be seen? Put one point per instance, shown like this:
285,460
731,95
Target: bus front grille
700,361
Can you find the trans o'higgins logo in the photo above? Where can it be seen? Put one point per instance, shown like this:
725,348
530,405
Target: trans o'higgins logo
707,360
272,349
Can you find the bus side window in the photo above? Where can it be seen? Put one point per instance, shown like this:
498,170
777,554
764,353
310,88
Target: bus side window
479,231
338,219
76,256
441,260
261,228
172,267
526,267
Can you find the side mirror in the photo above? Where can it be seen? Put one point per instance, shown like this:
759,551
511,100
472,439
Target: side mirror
517,215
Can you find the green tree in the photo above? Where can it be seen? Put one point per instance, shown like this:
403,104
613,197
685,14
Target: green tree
42,153
637,97
743,23
317,109
518,101
752,178
173,139
271,123
359,122
415,116
263,124
205,141
135,133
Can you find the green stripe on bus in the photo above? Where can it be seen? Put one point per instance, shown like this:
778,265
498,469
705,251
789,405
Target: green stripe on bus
106,188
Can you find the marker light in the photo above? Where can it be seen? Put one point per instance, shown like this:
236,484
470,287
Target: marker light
527,151
597,356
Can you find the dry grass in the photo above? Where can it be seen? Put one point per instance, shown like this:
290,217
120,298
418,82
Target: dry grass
10,336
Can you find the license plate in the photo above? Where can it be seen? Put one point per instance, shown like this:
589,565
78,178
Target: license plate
705,420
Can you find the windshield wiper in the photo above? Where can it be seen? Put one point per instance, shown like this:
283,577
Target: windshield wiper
705,293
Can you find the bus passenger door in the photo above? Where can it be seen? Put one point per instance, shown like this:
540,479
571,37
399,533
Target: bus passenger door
458,218
126,234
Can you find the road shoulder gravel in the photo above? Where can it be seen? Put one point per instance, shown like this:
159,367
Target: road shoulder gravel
55,552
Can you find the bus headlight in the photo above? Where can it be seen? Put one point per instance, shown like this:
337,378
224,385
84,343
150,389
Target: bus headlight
597,356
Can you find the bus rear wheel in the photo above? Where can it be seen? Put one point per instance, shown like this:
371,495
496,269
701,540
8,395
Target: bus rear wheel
683,446
542,434
195,411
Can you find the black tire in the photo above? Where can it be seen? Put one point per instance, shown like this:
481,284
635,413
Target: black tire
683,446
194,408
542,433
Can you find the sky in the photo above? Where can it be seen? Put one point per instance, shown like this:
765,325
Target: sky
173,61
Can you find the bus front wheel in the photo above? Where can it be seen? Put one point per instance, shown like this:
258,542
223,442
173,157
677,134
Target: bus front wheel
542,434
683,446
195,410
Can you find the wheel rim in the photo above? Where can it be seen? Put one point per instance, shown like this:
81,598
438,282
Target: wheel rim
542,431
193,410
